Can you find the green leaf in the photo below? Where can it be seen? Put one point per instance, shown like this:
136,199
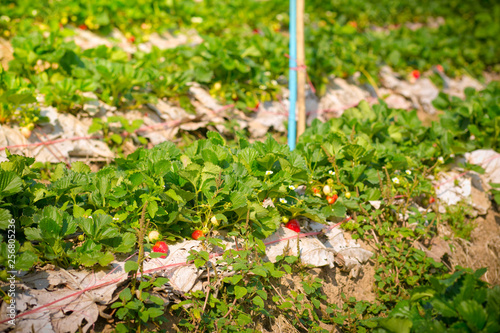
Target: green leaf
127,244
286,305
152,208
257,300
396,325
121,328
172,194
473,313
26,260
5,218
80,167
117,138
251,51
239,292
244,319
259,271
126,295
131,266
106,259
155,312
10,183
441,102
156,300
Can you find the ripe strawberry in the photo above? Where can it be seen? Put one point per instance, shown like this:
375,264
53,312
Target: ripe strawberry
415,73
331,199
353,24
161,247
432,200
131,39
83,26
440,68
293,224
197,234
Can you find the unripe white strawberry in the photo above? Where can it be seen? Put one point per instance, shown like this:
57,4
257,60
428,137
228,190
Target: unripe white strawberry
214,221
25,132
327,190
154,235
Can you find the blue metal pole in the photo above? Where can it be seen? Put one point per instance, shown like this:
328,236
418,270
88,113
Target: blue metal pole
292,81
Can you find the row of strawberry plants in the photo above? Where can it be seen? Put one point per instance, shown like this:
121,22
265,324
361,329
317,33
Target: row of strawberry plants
245,67
212,186
135,17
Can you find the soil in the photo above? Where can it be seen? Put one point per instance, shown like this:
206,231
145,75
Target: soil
483,248
335,282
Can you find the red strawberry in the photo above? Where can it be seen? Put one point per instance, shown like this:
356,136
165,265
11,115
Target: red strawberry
440,68
415,73
131,39
83,27
432,200
293,225
161,247
353,24
331,199
197,234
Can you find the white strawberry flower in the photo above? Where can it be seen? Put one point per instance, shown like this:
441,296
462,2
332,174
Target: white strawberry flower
331,172
291,187
269,172
408,172
283,200
441,159
395,180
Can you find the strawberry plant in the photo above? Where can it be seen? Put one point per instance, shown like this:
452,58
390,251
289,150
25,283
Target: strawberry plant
115,136
137,308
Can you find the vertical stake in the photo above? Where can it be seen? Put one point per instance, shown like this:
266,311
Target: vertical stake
292,81
301,70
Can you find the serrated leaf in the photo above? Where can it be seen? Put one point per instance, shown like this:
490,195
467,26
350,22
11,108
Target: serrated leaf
473,313
80,167
5,217
106,258
152,208
10,183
